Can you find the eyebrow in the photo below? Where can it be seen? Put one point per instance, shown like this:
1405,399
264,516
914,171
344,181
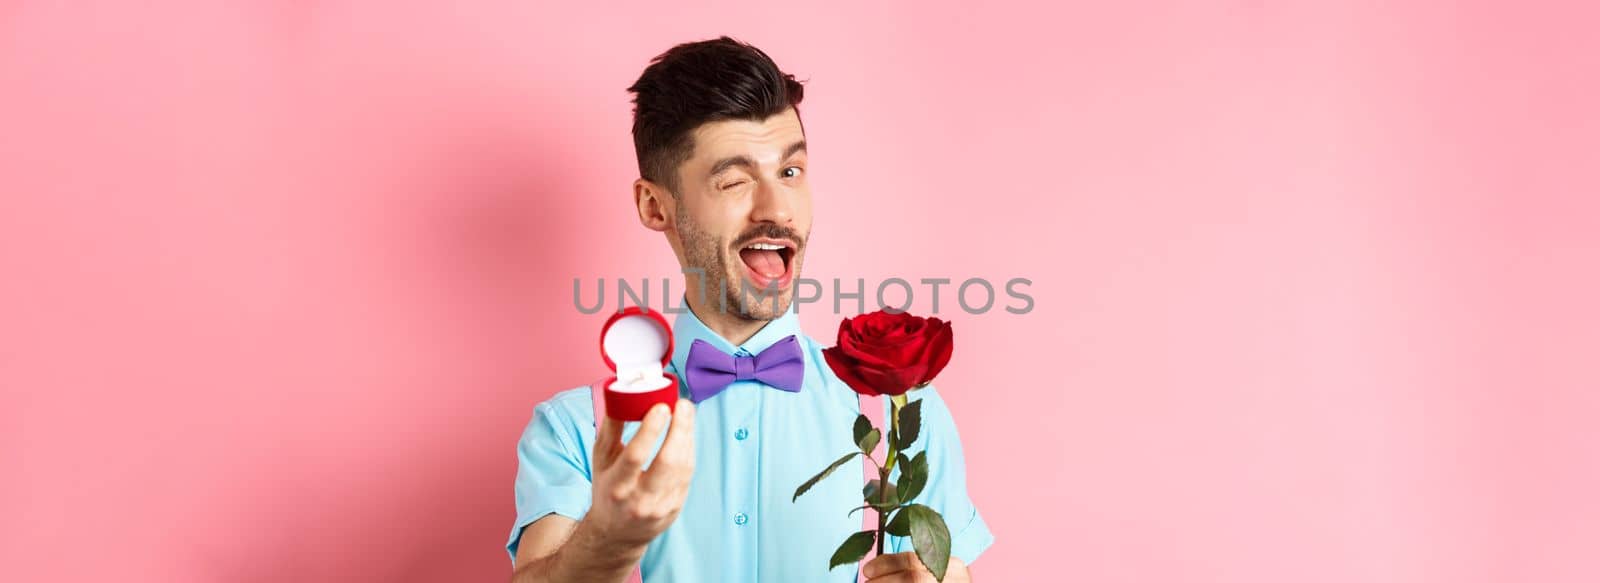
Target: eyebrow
747,162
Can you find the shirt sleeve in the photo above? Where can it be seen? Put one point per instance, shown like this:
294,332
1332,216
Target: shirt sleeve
946,490
553,473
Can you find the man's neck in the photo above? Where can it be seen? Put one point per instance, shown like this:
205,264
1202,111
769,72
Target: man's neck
730,326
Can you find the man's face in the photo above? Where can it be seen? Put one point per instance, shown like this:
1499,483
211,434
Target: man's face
743,214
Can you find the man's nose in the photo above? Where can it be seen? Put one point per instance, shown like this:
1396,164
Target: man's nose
772,203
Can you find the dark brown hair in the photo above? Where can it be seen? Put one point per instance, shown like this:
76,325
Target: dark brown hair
696,83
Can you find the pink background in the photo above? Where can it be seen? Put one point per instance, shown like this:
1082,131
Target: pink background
281,281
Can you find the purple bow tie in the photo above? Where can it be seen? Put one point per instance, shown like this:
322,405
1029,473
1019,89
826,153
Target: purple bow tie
709,370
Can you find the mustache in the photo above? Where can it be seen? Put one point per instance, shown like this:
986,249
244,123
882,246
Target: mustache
769,231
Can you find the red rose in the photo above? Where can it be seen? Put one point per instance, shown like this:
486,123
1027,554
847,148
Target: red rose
886,353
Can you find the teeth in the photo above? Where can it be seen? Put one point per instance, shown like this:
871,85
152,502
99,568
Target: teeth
765,247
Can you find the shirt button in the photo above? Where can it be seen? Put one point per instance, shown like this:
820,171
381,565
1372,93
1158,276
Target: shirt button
740,519
741,434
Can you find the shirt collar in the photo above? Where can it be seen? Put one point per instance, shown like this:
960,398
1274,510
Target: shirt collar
687,328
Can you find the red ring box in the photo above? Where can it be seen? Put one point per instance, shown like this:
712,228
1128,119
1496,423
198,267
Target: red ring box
637,344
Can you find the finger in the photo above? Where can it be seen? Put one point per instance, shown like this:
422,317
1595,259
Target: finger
676,459
901,577
605,441
637,451
957,572
890,564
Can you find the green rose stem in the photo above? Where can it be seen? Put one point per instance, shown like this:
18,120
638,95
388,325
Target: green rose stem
896,402
896,514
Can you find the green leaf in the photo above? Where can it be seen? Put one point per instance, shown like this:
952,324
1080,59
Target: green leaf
818,478
904,477
870,493
868,441
913,475
931,538
854,548
910,425
863,425
900,525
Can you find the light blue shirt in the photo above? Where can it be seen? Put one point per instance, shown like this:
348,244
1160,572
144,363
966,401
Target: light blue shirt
754,445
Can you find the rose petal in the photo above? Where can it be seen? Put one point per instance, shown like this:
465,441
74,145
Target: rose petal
942,346
890,382
866,356
846,370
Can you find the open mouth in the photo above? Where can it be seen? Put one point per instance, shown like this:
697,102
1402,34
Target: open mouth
769,262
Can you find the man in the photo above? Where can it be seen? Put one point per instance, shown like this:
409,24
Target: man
722,163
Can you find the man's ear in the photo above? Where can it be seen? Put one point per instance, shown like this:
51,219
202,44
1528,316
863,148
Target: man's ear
654,204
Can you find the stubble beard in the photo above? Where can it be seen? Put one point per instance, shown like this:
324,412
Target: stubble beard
705,252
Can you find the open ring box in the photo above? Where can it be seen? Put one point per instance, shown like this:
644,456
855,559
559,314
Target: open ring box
637,343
